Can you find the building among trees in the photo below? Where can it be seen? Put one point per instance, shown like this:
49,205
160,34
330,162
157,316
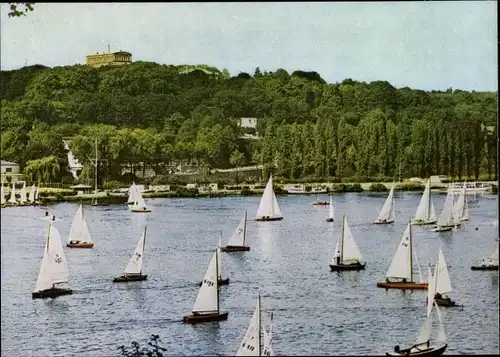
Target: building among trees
119,58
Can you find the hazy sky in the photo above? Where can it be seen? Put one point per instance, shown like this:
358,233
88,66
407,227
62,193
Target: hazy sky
425,45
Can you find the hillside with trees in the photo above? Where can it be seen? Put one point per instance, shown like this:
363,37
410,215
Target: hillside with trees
149,115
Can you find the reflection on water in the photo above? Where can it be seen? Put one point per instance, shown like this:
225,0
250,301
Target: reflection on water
316,311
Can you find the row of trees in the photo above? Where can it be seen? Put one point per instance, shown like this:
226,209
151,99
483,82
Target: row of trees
157,116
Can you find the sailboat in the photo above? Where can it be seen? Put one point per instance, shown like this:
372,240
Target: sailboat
133,270
461,208
131,194
206,307
347,255
31,196
402,266
220,280
2,195
12,198
79,236
330,211
488,263
252,345
386,214
139,205
54,268
441,284
426,214
422,346
319,203
236,242
446,221
23,195
268,207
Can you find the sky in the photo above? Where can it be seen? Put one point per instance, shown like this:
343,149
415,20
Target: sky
422,45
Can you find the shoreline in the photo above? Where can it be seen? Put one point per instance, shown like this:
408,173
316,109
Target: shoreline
52,196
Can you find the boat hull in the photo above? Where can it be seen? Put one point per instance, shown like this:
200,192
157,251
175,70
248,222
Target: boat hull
401,285
51,293
263,219
445,302
423,223
432,351
383,222
234,248
136,210
80,245
484,267
320,204
443,229
219,282
342,267
127,278
195,319
329,219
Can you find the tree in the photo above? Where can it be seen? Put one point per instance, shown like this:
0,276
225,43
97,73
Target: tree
46,169
18,9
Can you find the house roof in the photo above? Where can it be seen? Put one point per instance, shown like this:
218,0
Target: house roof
8,163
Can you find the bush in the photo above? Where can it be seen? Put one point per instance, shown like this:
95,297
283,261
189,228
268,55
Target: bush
408,186
135,350
378,187
111,185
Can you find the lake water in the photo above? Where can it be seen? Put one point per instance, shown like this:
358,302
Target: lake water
316,312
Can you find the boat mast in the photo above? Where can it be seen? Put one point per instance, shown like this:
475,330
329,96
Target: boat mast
429,200
245,228
342,240
271,196
143,245
258,326
411,256
217,276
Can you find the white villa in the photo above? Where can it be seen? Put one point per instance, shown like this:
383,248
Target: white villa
10,169
74,165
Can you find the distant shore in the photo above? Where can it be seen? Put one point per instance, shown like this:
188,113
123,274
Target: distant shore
52,196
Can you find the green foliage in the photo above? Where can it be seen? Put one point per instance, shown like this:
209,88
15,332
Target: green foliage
148,116
152,350
18,9
377,187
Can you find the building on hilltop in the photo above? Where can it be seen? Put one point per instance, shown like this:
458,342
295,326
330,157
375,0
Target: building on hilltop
119,58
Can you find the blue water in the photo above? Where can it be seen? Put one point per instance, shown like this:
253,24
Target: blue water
316,312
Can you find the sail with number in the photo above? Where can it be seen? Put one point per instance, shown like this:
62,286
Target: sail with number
134,266
207,300
250,345
268,206
401,265
54,266
237,239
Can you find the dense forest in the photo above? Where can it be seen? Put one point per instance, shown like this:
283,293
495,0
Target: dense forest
157,116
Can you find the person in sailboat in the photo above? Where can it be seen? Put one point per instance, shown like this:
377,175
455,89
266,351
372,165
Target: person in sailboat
438,296
338,258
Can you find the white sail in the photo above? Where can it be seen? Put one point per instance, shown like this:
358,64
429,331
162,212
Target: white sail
23,194
461,209
12,198
330,211
219,245
238,237
441,336
387,211
337,252
268,206
446,216
441,275
54,267
208,295
425,331
31,197
431,291
134,265
132,193
139,202
401,263
350,250
79,230
37,192
250,345
425,209
2,195
267,348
